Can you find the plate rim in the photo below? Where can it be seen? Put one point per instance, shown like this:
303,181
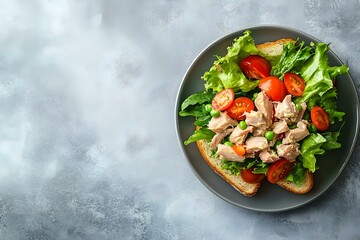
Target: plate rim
177,126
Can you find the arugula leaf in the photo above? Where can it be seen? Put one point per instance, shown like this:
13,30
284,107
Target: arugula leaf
196,111
202,120
293,57
233,167
226,73
200,134
310,147
197,98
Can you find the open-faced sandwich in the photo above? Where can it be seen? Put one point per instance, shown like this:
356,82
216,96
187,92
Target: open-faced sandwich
266,111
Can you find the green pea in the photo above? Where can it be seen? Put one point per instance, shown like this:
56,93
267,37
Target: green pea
312,128
214,113
227,143
208,107
277,143
269,135
242,125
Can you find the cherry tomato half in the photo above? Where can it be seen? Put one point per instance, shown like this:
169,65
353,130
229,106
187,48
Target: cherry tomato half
223,99
255,67
250,177
239,106
294,84
278,170
320,118
273,87
239,149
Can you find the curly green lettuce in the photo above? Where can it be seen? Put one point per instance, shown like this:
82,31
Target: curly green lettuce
226,73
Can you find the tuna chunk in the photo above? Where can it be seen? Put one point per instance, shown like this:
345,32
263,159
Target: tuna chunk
264,105
256,144
229,154
256,119
259,132
288,151
280,126
268,156
218,137
286,109
238,136
297,134
219,124
301,113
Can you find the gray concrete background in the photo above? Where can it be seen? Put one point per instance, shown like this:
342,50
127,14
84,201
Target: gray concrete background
87,140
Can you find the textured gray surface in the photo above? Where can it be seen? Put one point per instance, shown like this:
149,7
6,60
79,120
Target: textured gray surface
87,140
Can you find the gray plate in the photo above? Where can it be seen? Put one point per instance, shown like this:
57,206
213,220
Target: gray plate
270,198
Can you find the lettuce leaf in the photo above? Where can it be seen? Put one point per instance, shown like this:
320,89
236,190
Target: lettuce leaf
297,174
328,103
310,147
200,134
318,75
226,73
235,167
331,140
292,59
197,99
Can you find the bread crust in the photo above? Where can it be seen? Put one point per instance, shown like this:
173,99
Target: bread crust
236,181
303,188
274,48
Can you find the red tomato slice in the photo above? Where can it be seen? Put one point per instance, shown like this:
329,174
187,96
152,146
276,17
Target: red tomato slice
294,84
278,170
255,67
239,149
320,118
239,106
273,87
223,99
250,177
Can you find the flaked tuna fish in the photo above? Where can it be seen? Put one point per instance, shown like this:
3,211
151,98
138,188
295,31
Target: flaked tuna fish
297,134
301,113
268,156
289,151
256,119
219,124
218,137
238,136
264,105
286,109
228,153
280,126
256,144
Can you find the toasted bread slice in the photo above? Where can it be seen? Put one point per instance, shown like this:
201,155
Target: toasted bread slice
273,49
236,181
303,188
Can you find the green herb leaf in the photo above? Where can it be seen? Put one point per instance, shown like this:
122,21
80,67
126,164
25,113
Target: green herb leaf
197,99
200,134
